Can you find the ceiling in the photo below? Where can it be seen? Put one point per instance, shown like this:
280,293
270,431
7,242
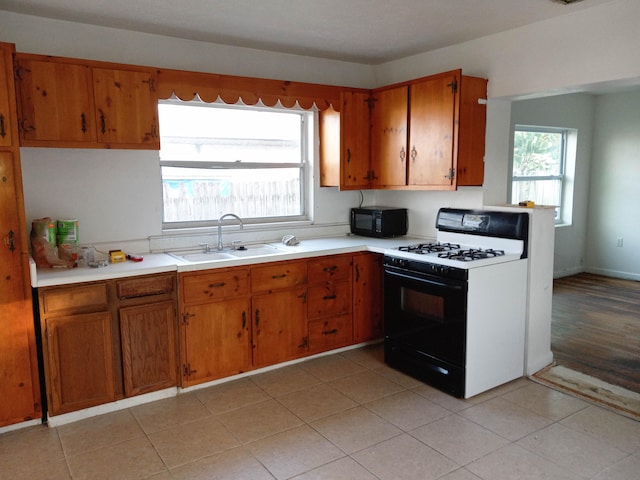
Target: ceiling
361,31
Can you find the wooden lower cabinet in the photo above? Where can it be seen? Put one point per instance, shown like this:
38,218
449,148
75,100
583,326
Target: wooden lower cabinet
329,309
279,327
215,324
241,318
103,341
80,361
149,354
216,340
367,297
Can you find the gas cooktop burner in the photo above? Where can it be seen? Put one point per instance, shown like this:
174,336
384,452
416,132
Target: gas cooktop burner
471,254
432,247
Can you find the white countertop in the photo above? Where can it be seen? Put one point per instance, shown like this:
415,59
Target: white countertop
161,262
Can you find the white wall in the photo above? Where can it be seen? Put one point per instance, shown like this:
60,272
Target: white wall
575,111
615,187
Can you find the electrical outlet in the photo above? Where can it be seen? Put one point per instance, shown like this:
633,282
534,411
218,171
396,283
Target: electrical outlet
619,242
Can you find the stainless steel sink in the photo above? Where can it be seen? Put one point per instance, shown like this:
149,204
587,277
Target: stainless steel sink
258,250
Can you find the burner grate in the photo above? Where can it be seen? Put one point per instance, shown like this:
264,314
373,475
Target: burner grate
432,247
471,254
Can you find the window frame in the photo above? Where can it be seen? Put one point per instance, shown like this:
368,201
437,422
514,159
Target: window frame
561,177
308,119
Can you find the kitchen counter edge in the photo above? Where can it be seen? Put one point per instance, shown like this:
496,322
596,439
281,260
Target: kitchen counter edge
163,262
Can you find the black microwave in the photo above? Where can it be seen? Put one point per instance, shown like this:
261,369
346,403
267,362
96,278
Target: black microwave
379,222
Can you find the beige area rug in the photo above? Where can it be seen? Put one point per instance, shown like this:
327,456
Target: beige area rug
591,389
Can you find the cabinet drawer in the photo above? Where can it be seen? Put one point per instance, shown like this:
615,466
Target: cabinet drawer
145,286
330,268
278,275
76,298
215,285
329,299
330,333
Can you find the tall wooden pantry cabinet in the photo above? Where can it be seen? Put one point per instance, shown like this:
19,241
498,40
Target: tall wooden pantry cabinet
19,384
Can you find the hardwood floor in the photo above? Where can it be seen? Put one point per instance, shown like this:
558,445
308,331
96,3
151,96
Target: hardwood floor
595,327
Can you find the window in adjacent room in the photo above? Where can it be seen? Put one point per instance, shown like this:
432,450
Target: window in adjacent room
217,158
543,165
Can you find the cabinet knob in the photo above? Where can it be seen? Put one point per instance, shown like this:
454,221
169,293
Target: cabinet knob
403,154
414,153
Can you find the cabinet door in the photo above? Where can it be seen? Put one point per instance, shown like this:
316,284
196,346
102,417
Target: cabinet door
80,361
216,340
149,355
471,134
55,104
367,297
126,108
389,137
279,327
433,132
355,135
6,89
18,370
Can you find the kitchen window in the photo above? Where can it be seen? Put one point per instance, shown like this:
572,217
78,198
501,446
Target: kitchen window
217,158
540,160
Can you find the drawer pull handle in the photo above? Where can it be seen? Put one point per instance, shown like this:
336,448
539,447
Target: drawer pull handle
277,277
330,332
217,285
330,269
329,297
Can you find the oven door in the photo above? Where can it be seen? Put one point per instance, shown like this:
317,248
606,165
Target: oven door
425,327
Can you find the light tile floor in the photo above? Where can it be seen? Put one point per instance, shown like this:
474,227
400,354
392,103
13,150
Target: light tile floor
343,416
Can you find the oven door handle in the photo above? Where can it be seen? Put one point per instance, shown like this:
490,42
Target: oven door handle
415,278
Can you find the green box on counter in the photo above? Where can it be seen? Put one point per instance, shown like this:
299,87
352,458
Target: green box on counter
67,232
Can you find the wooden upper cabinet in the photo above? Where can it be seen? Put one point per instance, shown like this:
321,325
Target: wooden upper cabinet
472,131
433,131
6,93
126,107
345,141
72,103
429,134
55,102
355,141
389,137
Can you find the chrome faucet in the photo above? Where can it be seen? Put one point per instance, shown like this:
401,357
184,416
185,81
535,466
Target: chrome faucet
232,215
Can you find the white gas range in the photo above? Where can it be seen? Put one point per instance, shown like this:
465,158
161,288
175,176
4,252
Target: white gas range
455,308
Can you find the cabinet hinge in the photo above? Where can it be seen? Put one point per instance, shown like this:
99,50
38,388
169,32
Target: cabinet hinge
453,85
451,175
186,316
9,241
371,102
17,72
152,84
